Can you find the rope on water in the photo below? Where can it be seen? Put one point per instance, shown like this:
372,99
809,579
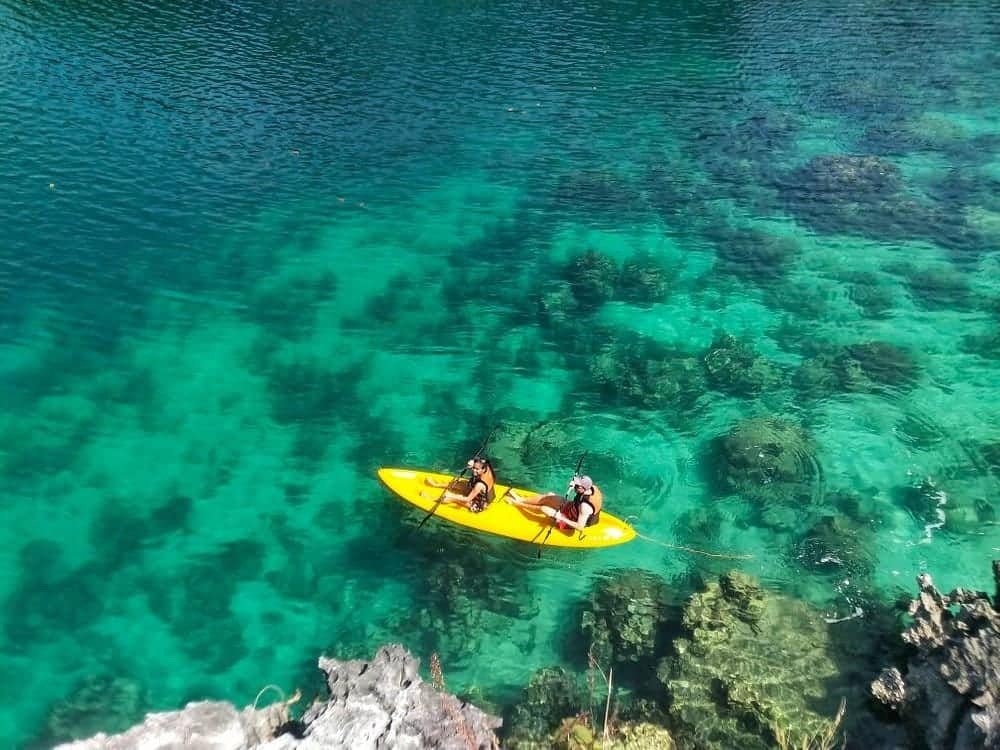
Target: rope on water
264,689
682,548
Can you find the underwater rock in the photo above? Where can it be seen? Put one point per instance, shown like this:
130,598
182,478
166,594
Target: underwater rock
642,736
879,363
939,289
644,281
868,367
382,703
98,704
557,305
847,177
949,696
750,666
734,367
752,253
874,299
638,371
592,278
765,458
552,694
834,546
956,505
625,617
577,734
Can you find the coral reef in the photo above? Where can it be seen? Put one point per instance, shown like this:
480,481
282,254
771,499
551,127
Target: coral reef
753,254
765,458
638,371
643,280
734,367
625,615
949,696
551,695
577,734
98,704
753,665
592,277
868,367
848,177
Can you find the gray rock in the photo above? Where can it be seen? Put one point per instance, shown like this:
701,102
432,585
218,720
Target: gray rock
950,694
382,703
206,725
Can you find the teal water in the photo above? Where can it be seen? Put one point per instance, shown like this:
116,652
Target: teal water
251,253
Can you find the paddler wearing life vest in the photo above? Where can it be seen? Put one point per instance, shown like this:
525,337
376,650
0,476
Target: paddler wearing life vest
579,512
478,490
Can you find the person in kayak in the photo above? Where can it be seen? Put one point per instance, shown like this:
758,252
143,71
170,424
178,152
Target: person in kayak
579,512
478,489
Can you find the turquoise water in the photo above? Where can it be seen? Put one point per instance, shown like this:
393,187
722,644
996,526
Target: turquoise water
251,253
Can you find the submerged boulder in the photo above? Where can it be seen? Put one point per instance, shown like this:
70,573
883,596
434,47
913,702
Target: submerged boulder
592,277
98,703
866,367
644,281
847,177
734,367
765,458
639,371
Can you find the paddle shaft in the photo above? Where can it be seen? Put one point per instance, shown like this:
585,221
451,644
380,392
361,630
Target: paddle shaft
566,496
454,479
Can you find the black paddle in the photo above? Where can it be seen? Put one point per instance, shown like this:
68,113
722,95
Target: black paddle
565,496
460,474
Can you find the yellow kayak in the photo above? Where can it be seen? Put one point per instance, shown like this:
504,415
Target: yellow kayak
503,518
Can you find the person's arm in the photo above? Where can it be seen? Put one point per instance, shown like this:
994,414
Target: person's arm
473,490
586,511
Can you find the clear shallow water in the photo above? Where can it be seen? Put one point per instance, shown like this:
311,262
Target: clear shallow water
251,254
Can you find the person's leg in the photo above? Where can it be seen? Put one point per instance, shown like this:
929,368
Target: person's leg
551,499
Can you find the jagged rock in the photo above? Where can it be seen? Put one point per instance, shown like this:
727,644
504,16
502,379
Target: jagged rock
888,688
206,725
382,703
950,694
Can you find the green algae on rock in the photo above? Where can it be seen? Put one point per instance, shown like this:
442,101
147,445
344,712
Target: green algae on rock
577,734
752,663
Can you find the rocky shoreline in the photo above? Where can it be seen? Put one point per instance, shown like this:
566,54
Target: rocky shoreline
742,667
382,703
